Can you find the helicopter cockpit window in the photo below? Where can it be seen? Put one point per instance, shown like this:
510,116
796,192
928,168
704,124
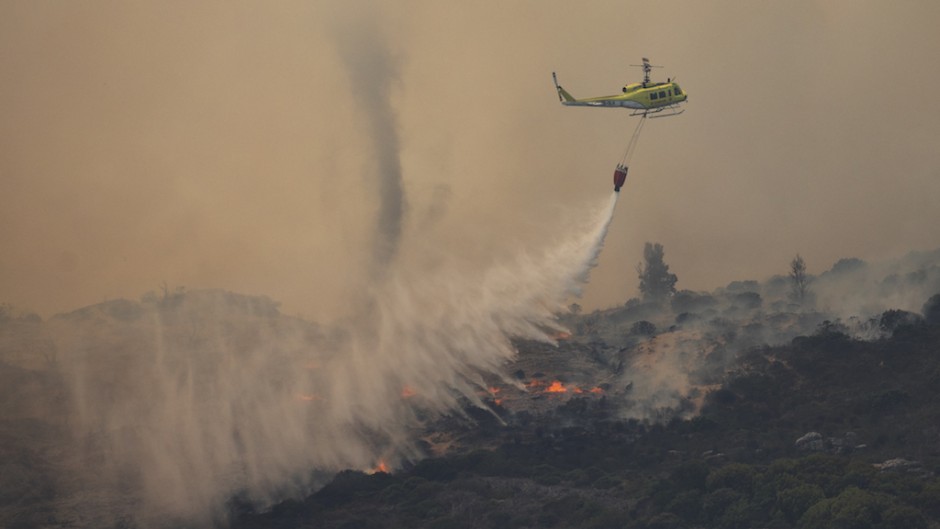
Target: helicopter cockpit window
678,91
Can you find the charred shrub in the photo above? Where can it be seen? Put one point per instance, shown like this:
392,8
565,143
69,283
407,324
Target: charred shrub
643,328
931,310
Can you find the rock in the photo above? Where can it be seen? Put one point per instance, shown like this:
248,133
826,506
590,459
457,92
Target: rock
903,465
811,441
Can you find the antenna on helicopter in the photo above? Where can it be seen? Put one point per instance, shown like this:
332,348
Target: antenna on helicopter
647,68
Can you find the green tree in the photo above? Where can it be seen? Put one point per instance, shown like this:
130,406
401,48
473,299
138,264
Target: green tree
853,508
735,476
795,501
656,282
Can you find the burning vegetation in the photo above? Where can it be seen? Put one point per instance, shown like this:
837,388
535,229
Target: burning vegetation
645,387
694,423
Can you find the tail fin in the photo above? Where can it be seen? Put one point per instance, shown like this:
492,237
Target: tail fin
563,94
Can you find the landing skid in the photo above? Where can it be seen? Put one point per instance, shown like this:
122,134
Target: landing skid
671,110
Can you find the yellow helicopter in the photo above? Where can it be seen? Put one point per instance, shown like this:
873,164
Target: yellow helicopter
645,99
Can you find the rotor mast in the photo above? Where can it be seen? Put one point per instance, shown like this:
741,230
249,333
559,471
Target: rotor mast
647,68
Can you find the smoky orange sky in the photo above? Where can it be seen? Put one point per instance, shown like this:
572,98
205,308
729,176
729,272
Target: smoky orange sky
227,144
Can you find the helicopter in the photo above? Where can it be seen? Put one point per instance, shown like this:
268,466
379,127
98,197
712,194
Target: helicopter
645,99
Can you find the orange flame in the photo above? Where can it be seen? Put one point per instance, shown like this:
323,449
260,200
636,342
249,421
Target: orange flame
308,397
381,467
407,392
532,384
558,387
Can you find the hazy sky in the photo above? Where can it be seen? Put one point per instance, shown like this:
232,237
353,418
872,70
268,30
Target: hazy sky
229,144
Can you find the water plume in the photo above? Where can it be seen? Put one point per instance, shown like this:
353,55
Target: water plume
184,401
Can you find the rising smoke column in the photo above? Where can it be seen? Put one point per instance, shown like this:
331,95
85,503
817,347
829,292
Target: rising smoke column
373,72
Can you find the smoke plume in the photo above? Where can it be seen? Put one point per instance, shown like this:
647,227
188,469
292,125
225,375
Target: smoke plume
676,352
373,74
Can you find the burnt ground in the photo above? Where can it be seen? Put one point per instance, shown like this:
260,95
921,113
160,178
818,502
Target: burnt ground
716,410
826,431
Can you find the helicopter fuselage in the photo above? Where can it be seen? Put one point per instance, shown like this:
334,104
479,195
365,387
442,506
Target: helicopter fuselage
637,96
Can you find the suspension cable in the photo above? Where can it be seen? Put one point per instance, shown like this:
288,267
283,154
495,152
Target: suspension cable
628,153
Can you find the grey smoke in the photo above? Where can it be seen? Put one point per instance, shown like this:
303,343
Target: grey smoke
373,72
699,334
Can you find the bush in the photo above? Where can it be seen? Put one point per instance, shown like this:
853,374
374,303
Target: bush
736,476
853,508
747,300
687,504
642,328
436,469
903,517
691,475
793,503
931,310
716,503
892,320
688,301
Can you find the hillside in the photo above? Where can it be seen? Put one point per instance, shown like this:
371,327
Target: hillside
732,408
827,431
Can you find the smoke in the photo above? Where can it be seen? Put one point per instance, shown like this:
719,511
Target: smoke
373,72
698,335
186,400
186,145
852,288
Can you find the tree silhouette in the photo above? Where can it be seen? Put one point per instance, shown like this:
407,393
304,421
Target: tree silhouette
798,279
656,283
